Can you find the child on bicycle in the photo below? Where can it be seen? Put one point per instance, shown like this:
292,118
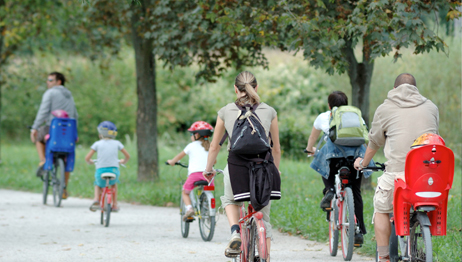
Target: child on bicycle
197,151
107,161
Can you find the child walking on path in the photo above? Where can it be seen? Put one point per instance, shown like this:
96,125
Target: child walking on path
107,161
197,151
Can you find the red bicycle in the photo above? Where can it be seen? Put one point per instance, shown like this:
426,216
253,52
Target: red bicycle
420,203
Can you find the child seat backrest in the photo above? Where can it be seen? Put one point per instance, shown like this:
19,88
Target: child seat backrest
63,134
429,168
347,127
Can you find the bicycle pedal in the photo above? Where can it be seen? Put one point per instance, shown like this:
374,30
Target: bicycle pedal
328,209
189,219
232,253
357,245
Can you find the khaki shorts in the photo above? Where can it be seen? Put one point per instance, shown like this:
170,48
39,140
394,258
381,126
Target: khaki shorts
42,132
228,199
383,197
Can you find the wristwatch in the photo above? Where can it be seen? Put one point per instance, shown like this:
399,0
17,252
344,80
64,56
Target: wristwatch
361,164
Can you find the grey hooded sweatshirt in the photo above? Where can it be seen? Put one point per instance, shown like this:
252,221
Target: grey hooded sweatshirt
398,121
57,97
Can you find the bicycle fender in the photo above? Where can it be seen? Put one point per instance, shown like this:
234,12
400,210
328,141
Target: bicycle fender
210,197
423,219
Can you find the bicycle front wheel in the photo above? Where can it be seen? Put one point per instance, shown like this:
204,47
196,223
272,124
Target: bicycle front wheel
184,224
46,185
107,210
58,181
420,241
333,230
206,221
348,224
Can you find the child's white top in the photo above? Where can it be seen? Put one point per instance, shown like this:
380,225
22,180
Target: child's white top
108,152
322,122
197,157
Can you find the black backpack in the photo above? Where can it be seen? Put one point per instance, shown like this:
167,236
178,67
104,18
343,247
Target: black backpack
249,136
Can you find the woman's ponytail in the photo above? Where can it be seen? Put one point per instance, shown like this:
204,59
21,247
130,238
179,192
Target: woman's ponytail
246,82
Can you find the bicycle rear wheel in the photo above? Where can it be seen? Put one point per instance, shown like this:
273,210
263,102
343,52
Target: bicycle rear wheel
348,225
333,230
253,239
420,241
206,221
46,185
58,181
184,224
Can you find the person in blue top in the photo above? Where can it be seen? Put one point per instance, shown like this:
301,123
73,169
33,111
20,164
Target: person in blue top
331,157
107,161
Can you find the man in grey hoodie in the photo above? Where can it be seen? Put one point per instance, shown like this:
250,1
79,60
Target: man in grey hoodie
398,121
55,98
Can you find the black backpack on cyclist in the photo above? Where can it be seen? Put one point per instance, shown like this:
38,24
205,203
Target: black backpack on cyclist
249,135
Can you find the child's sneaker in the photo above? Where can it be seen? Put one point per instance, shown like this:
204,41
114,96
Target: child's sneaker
115,209
189,213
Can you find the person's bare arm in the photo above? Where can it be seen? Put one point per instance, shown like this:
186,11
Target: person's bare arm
214,148
274,130
176,158
127,156
367,158
312,140
88,157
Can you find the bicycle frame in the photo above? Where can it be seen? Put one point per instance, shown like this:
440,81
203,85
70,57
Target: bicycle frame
107,192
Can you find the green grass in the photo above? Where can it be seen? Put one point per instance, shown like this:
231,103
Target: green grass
297,213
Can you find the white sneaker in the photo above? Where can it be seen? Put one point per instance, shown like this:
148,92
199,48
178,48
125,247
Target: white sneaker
189,213
234,244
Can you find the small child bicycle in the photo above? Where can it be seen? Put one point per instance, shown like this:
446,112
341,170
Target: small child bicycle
203,203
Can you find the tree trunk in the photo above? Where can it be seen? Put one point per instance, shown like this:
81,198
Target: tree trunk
146,116
2,63
360,75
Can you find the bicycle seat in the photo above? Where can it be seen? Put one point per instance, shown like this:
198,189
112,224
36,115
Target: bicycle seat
110,176
201,183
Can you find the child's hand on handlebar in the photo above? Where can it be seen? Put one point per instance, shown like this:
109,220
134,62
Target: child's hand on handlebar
170,162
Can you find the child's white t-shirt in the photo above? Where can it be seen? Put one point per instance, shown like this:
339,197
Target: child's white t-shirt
197,157
322,122
108,152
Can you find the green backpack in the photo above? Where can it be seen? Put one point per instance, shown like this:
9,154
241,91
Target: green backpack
347,127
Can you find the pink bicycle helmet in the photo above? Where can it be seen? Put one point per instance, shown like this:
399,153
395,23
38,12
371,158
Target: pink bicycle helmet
60,113
202,128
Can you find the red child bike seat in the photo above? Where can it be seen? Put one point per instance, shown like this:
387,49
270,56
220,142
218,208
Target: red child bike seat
429,173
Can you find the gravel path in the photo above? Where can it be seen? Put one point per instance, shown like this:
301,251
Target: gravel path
30,231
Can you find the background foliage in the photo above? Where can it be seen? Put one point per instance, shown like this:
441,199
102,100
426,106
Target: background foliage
297,92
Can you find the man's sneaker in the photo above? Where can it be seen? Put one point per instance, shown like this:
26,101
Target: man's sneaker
234,244
384,259
189,213
359,239
325,202
40,171
65,195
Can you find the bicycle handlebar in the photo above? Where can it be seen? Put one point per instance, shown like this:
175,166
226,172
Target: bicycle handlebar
94,161
178,164
378,167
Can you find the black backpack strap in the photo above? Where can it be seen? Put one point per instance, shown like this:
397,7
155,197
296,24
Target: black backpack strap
224,138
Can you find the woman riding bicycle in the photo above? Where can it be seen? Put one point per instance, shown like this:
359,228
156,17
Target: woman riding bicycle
197,151
236,172
331,157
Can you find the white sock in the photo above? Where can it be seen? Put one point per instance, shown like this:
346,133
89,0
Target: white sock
188,207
